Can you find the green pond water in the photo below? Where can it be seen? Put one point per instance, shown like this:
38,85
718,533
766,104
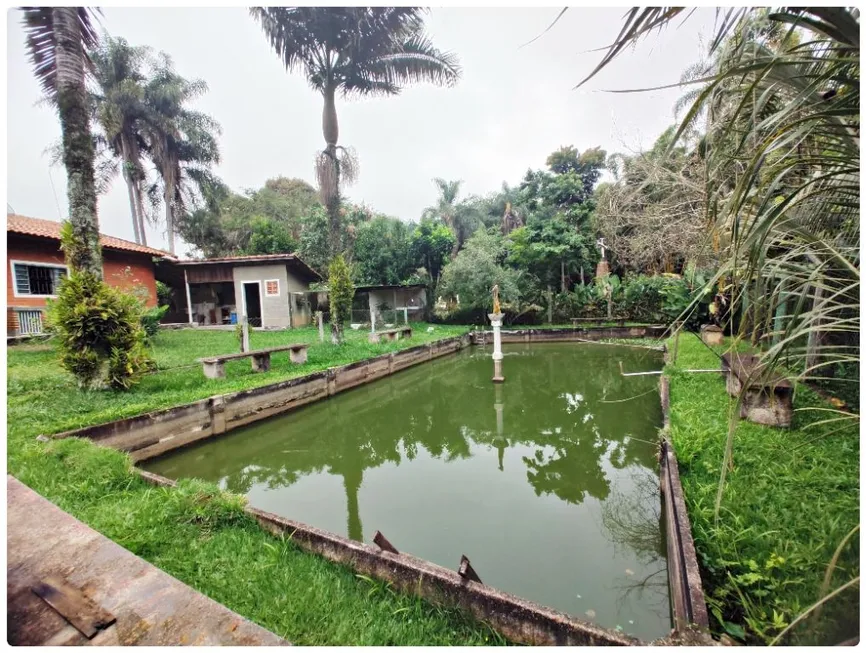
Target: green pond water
548,482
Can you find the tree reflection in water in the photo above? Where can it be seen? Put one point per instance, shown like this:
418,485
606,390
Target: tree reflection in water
440,411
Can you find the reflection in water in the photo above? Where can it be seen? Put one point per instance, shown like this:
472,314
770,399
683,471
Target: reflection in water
553,493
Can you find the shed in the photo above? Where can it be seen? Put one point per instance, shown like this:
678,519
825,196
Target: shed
271,290
409,301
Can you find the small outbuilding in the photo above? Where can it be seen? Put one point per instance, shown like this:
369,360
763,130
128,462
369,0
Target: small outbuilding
398,302
271,290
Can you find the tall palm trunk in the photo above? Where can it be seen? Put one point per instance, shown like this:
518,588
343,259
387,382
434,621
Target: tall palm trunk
83,253
130,178
133,208
139,203
330,181
169,181
330,126
452,225
169,217
135,158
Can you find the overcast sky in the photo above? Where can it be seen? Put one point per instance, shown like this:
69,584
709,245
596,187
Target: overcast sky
511,109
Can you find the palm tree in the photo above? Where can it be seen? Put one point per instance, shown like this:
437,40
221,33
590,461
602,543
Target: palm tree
57,42
461,217
361,51
791,207
119,109
183,143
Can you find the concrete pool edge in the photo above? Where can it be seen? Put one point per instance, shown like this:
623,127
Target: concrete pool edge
158,432
570,335
684,578
518,619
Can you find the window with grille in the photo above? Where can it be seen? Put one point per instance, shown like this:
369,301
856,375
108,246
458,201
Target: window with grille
34,279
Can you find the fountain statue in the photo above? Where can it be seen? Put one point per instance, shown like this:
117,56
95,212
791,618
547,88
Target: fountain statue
603,267
496,322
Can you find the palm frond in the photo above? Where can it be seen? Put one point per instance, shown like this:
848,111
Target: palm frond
42,40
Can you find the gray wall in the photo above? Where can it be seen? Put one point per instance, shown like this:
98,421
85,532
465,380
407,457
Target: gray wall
275,310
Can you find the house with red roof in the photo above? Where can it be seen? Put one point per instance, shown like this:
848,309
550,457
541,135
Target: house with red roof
270,290
35,265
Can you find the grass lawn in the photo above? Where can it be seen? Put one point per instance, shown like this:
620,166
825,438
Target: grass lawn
43,398
792,497
194,532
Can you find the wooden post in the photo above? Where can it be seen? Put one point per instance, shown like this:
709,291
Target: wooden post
321,323
245,340
676,343
405,315
188,297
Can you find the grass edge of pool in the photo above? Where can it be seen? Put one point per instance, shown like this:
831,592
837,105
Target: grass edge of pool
783,513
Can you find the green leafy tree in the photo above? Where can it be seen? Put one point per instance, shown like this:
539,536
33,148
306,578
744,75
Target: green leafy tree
269,237
229,225
478,267
430,244
567,187
382,253
549,249
313,246
341,291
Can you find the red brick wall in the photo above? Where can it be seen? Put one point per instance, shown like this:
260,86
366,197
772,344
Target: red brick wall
127,270
121,269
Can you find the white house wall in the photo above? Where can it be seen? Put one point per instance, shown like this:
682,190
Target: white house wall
275,310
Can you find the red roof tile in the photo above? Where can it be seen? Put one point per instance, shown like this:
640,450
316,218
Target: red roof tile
254,258
20,224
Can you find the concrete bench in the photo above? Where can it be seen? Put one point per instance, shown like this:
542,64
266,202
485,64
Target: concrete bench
214,366
390,334
767,396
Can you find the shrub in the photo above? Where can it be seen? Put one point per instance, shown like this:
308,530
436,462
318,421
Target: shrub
584,301
642,298
341,291
150,319
163,293
99,331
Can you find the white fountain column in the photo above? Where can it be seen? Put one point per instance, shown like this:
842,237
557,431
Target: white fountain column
496,322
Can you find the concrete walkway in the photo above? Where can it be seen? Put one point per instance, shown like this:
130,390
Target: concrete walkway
68,585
